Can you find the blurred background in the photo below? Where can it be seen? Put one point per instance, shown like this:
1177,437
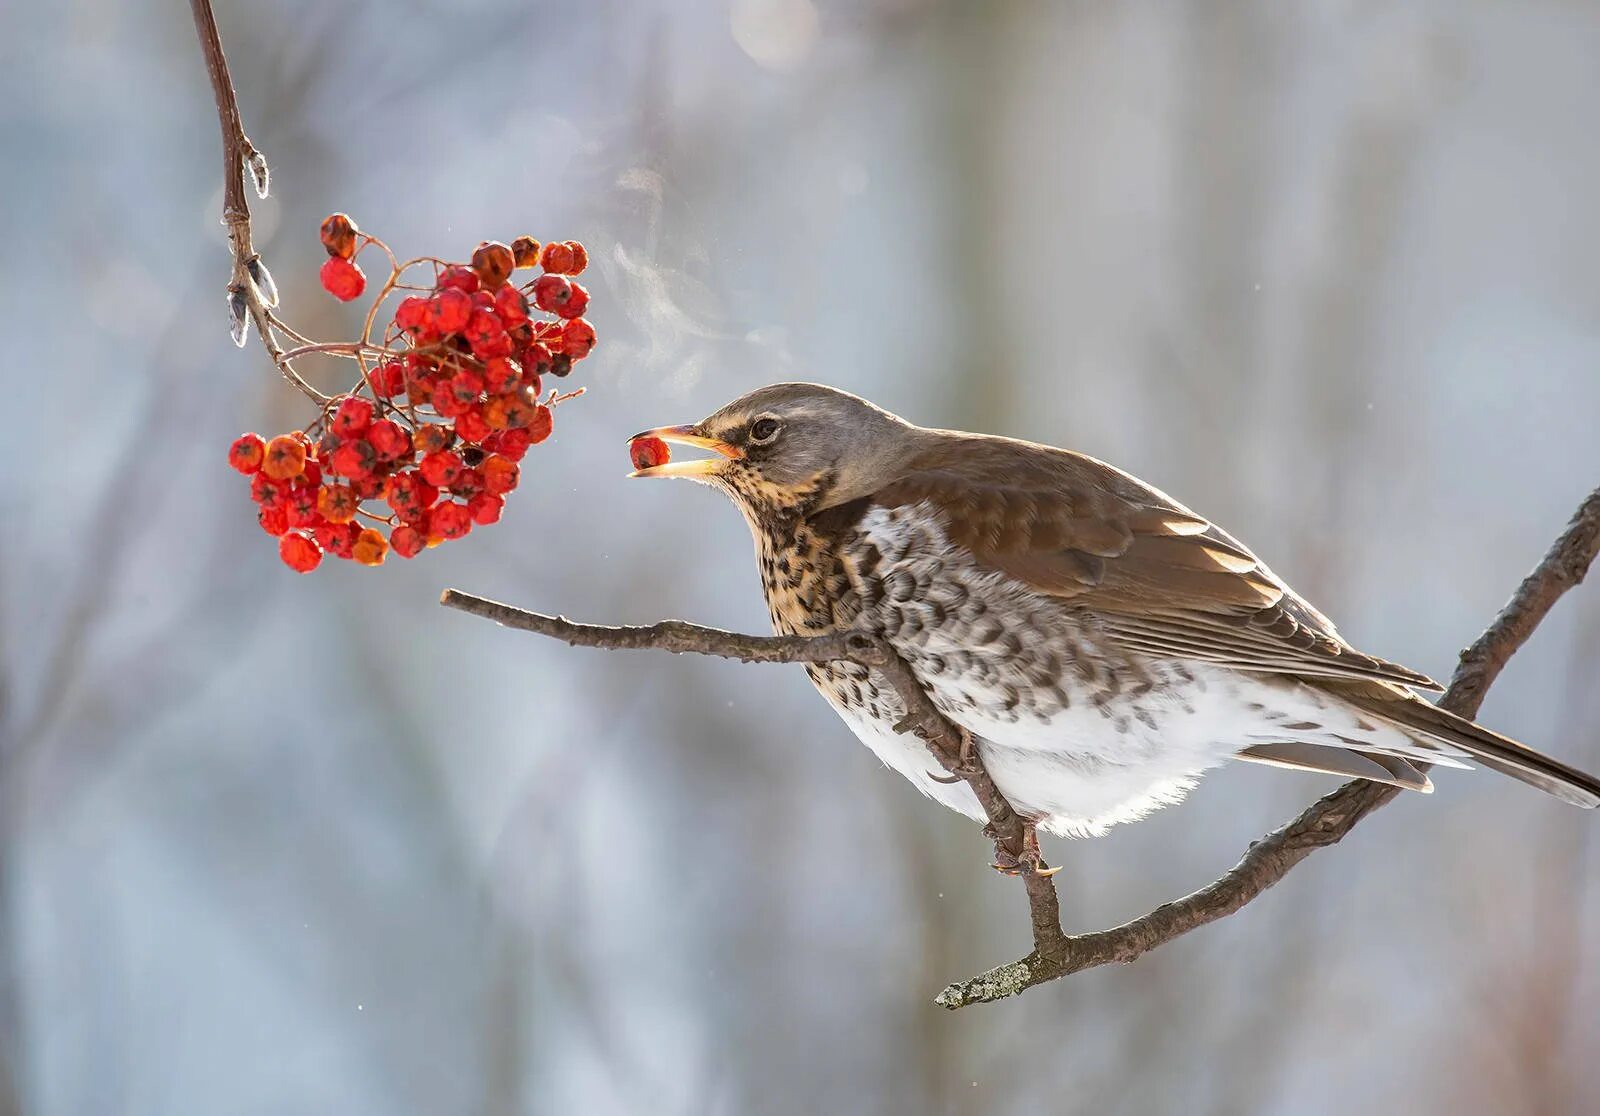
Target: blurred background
1325,271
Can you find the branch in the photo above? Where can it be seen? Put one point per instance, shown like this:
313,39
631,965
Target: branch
1325,822
1265,863
251,291
949,745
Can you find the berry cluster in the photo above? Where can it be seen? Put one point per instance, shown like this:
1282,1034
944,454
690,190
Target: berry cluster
427,444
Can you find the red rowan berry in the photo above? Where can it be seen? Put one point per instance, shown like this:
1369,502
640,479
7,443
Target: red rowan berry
471,425
459,277
407,542
409,315
440,468
577,302
649,452
500,475
577,338
337,503
299,552
580,257
485,509
247,453
511,305
343,279
389,439
543,422
356,458
285,458
551,290
513,444
450,520
352,417
557,258
500,375
274,520
370,548
451,309
338,539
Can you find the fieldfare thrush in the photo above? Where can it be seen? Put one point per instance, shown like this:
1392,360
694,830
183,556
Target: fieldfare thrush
1103,644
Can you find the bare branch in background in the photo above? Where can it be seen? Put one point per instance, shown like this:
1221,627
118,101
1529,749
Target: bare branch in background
1056,954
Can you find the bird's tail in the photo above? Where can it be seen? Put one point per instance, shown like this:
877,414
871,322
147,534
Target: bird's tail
1439,728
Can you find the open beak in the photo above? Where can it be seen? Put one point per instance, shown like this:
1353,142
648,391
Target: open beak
687,436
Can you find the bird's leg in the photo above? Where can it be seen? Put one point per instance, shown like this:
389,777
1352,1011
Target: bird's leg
1032,859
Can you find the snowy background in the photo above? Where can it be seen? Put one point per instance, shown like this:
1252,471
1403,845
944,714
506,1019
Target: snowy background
1325,271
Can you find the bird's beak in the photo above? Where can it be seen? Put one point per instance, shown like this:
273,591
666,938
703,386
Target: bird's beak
687,436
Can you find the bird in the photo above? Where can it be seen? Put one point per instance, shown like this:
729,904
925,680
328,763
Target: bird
1102,645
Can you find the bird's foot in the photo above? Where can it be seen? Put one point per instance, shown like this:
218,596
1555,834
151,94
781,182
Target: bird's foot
1031,862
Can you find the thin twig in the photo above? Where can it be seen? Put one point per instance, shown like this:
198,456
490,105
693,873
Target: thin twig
921,718
1267,861
238,156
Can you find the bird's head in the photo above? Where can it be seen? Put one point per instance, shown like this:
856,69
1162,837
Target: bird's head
790,449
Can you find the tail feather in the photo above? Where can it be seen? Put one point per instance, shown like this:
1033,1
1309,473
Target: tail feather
1496,752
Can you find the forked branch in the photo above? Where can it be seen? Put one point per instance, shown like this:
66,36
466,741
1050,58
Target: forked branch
1268,860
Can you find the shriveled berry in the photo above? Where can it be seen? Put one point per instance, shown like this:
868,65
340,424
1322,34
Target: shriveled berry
339,236
557,257
525,251
406,541
299,552
493,261
352,417
577,338
342,278
577,302
370,548
551,290
247,453
485,509
443,399
648,452
285,458
560,365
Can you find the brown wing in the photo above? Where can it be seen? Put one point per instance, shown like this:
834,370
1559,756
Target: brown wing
1162,579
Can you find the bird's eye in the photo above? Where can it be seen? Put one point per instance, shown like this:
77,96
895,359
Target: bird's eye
763,430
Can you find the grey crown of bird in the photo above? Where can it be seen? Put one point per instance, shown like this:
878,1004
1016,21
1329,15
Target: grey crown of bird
1103,644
